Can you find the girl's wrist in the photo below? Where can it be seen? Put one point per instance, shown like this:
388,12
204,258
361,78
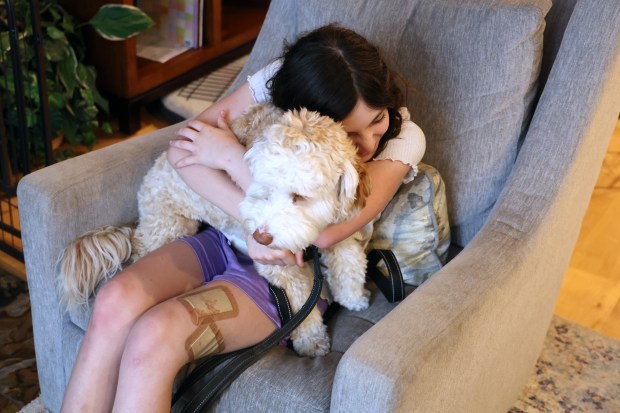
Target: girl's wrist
233,164
231,157
324,240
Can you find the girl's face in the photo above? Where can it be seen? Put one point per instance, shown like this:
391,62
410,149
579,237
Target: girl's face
366,126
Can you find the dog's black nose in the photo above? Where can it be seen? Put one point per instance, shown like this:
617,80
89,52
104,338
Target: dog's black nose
262,237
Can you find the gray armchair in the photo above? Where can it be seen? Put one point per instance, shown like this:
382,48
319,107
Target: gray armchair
517,99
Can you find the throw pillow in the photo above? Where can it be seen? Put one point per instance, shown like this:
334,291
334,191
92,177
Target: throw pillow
414,226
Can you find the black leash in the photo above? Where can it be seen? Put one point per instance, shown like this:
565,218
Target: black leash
391,284
233,364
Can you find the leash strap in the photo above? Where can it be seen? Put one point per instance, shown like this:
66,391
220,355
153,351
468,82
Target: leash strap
282,304
390,284
233,364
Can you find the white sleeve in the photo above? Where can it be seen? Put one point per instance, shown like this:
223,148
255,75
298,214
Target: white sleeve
258,81
408,147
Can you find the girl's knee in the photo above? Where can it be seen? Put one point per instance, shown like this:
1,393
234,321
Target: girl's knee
157,336
116,303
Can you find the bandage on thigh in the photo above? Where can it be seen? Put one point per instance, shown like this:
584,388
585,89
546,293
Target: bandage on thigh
205,307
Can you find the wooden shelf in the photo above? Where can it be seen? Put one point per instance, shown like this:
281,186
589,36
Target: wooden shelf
238,19
128,79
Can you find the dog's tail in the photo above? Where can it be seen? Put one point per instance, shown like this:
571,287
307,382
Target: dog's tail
91,258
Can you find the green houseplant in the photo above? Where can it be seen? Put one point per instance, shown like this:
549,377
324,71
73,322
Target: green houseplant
74,102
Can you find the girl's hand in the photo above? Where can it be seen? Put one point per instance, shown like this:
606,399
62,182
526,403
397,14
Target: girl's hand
211,146
269,256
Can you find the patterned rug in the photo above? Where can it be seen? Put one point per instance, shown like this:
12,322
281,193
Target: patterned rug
18,370
577,371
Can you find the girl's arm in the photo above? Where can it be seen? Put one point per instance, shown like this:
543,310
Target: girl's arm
203,143
211,184
386,177
234,103
207,141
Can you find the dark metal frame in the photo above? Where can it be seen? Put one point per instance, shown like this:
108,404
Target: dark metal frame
16,143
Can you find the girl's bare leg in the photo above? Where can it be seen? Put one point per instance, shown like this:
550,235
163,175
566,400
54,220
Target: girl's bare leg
170,334
162,274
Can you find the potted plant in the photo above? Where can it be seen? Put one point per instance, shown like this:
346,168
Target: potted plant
74,102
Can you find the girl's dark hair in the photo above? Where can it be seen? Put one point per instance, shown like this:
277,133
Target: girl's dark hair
328,69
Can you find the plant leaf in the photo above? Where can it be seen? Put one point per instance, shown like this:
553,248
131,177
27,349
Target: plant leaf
5,44
87,97
66,73
120,21
106,127
101,101
56,100
67,23
56,50
54,33
85,75
70,131
31,118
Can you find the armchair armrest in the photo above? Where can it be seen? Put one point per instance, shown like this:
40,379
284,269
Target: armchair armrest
468,338
58,203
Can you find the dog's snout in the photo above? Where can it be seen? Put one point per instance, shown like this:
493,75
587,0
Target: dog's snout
262,237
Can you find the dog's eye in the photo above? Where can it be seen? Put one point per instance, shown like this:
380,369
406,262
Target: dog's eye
296,197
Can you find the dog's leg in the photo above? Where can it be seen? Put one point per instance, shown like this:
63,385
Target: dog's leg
310,338
346,275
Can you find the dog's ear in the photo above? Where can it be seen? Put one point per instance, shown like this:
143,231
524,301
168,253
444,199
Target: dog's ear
363,187
354,188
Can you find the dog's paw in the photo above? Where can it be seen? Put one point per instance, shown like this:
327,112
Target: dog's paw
356,303
311,338
312,347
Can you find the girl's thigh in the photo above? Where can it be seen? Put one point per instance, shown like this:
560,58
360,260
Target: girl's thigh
160,275
217,317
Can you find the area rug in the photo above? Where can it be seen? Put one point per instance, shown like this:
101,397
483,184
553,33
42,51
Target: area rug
18,371
578,371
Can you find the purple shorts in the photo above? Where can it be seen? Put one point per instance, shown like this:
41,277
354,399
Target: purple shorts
220,261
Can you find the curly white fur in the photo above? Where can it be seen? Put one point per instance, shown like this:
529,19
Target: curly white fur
306,175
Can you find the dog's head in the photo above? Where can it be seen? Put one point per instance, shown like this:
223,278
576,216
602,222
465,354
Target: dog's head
306,176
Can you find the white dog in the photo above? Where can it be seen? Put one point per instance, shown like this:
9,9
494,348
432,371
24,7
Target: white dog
306,175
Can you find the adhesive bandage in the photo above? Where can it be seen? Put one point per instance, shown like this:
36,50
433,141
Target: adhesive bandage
206,306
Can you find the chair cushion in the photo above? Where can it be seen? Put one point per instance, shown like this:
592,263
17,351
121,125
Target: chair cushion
471,66
414,226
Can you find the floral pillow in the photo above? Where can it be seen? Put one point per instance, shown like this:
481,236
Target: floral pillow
414,226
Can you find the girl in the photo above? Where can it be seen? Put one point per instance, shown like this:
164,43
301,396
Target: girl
197,296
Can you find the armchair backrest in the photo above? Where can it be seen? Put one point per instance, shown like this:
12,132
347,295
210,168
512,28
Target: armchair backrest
471,67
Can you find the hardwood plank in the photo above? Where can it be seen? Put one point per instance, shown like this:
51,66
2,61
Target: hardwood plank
587,298
611,326
590,293
598,245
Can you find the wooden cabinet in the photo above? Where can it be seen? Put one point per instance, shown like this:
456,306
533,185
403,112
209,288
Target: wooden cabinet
128,81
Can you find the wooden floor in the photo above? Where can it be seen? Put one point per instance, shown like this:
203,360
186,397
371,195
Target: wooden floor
590,293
